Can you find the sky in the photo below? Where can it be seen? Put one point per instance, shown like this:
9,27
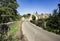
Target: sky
41,6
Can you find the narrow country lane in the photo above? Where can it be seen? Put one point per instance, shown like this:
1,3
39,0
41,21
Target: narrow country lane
35,33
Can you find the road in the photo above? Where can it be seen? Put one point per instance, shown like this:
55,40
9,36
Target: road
35,33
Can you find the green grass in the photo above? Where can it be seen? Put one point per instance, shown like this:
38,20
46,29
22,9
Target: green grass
14,28
10,36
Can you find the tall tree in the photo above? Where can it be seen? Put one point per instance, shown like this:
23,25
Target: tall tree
8,10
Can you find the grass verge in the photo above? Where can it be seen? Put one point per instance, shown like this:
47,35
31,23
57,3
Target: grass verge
13,29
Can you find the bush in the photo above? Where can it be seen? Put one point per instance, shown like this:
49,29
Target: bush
33,17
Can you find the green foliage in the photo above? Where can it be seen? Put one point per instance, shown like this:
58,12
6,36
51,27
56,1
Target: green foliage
6,14
26,15
8,11
33,17
7,33
9,3
54,23
39,22
3,32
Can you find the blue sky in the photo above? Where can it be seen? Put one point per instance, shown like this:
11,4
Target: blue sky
41,6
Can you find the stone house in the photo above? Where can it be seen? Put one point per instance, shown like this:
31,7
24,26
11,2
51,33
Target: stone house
39,16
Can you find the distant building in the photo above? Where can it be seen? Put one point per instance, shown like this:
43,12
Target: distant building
39,16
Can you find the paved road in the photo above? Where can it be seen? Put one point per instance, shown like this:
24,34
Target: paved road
34,33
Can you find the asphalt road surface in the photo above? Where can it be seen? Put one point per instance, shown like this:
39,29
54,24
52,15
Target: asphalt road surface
35,33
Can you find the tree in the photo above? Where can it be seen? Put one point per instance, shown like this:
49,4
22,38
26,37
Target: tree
8,10
54,23
33,17
55,11
26,15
